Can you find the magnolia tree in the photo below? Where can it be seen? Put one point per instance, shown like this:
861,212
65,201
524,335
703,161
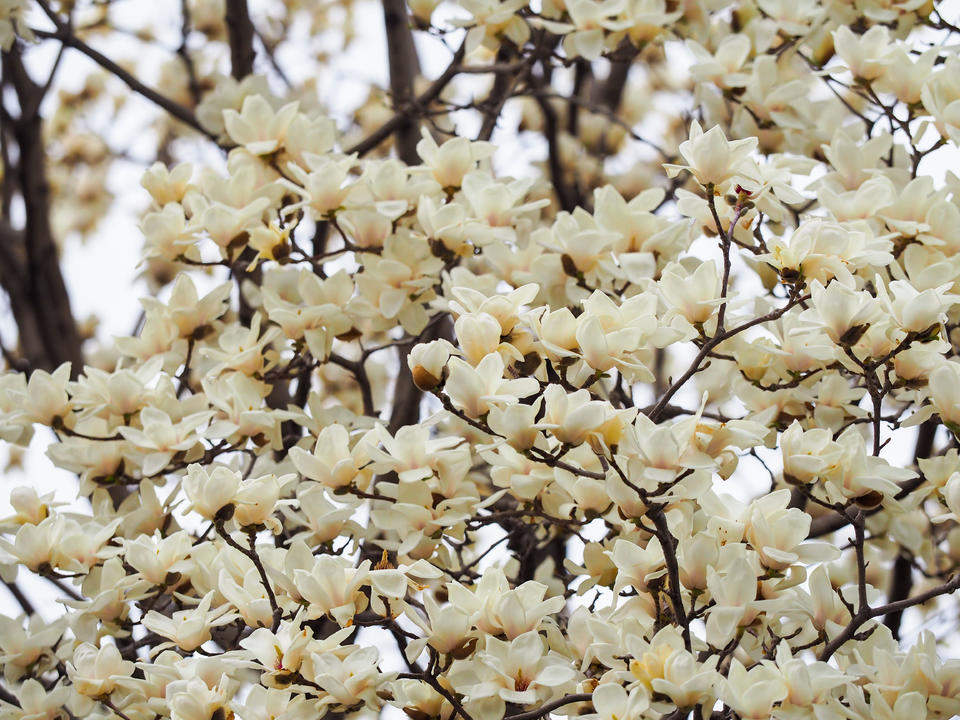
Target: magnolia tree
603,364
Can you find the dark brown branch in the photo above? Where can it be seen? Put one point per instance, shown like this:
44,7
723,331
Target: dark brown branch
583,77
709,345
667,544
551,129
8,697
38,294
20,597
868,613
901,583
826,524
610,115
184,52
405,409
404,66
503,83
611,92
15,283
7,183
116,711
63,587
856,519
901,576
359,371
269,49
549,707
241,34
251,553
184,115
422,100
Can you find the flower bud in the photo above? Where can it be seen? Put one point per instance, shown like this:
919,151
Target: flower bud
427,362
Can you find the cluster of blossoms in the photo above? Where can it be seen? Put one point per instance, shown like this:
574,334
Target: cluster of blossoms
470,446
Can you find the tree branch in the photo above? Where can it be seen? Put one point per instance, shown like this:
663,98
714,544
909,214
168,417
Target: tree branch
865,614
610,94
405,409
184,115
404,66
901,575
241,34
551,129
826,524
422,100
38,295
22,600
549,707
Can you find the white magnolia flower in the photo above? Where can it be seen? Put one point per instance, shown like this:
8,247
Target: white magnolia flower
189,629
95,671
712,159
258,127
